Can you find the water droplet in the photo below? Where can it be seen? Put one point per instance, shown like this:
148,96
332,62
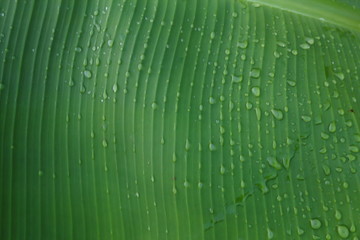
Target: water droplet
212,35
270,234
154,106
255,91
315,223
248,105
305,46
110,43
87,74
40,173
354,149
343,231
104,143
186,184
306,118
78,49
212,147
309,40
294,52
324,136
291,83
277,114
222,170
236,79
300,231
273,163
71,83
340,75
212,100
243,44
234,14
337,215
326,170
332,127
255,73
115,87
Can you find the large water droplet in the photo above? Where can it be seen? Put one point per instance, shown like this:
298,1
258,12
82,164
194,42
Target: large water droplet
343,231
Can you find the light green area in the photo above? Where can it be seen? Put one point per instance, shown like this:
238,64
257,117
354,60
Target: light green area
179,119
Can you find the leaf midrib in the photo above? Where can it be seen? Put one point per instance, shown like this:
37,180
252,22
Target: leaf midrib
342,15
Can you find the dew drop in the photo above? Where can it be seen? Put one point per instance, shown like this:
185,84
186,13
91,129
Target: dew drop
277,114
255,91
104,143
315,223
306,118
236,79
273,163
154,106
354,149
212,35
340,75
337,215
222,170
212,100
332,127
110,43
243,44
87,74
305,46
255,73
324,136
186,184
343,231
115,88
212,147
291,83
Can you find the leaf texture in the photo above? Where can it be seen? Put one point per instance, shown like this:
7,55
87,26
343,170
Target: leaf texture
184,119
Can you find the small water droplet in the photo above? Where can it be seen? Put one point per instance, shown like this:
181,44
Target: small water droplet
110,43
306,118
337,215
291,83
186,184
236,79
154,106
324,135
315,223
212,100
115,88
354,149
255,73
40,173
104,143
87,74
326,169
309,40
222,170
243,44
273,163
340,75
212,35
343,231
255,91
212,147
277,114
305,46
270,234
332,127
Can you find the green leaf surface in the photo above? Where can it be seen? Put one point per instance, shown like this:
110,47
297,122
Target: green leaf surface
179,119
